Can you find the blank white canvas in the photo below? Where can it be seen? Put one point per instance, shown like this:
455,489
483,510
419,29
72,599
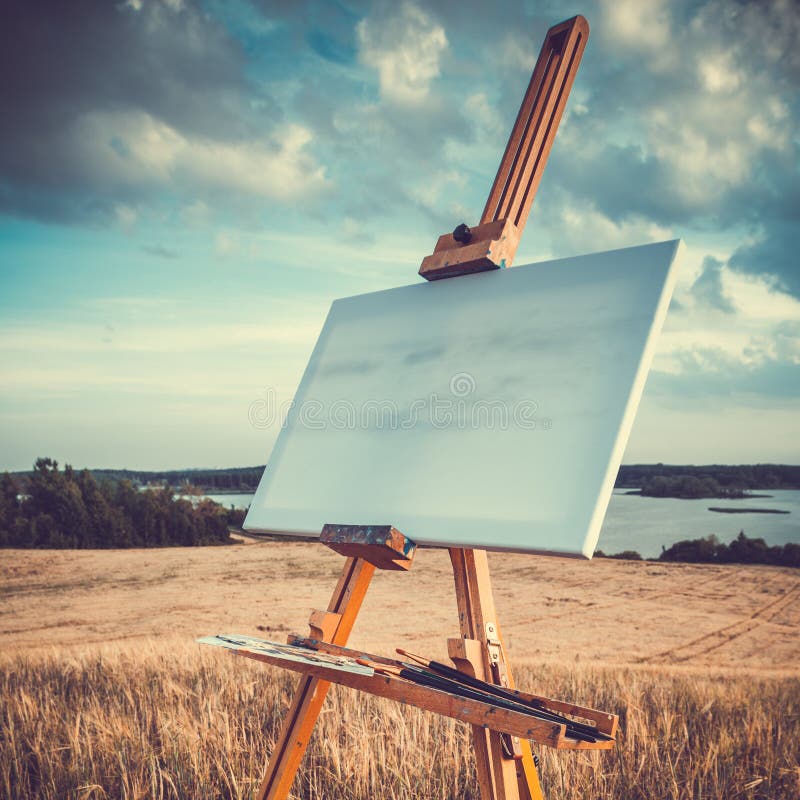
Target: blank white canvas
489,410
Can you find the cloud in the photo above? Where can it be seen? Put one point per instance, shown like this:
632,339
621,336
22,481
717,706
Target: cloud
353,231
702,137
134,155
718,72
327,145
405,47
732,329
775,250
133,101
576,226
708,287
689,110
330,47
282,169
155,336
125,217
160,251
438,194
675,425
643,26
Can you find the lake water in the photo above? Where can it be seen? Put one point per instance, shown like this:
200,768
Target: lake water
237,500
645,524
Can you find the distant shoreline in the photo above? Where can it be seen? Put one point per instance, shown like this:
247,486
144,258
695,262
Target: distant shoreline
721,496
687,481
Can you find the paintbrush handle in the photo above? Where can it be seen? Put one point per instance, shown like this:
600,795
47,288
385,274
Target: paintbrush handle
453,686
505,694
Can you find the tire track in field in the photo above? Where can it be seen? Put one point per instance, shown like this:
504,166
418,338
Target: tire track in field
721,636
711,588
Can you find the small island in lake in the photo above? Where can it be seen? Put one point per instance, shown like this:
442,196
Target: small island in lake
721,510
691,487
719,481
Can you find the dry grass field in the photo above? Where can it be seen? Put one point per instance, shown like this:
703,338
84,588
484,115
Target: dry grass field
103,693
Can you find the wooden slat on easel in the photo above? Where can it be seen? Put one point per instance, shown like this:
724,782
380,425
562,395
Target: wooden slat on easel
531,140
500,777
311,691
493,243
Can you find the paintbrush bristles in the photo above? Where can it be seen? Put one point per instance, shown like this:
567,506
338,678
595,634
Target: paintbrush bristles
381,669
419,659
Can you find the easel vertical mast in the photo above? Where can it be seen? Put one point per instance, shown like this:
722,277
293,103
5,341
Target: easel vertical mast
501,774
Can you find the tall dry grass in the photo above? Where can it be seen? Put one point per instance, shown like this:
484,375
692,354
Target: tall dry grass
167,721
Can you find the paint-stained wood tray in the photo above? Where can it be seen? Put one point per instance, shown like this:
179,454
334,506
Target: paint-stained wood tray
341,665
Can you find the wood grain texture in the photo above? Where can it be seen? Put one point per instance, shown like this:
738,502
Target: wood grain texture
521,168
467,655
492,246
534,131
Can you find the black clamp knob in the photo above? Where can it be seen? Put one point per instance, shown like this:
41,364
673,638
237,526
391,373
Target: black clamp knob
462,234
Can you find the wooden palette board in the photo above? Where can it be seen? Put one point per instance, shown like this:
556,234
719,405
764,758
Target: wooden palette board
490,411
279,653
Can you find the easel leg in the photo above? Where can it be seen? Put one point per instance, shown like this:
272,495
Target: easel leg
310,695
500,778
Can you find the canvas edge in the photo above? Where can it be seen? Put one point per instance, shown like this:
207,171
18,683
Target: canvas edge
634,398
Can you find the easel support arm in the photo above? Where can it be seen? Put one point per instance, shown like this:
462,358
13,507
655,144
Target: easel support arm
493,243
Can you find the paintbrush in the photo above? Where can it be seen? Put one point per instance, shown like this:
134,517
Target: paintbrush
426,677
573,727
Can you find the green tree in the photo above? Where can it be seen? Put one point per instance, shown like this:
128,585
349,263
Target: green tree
9,509
70,509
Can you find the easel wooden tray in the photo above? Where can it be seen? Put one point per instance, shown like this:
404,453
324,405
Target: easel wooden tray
343,666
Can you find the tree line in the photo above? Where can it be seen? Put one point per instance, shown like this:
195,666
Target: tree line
726,477
742,550
718,480
710,550
231,479
71,509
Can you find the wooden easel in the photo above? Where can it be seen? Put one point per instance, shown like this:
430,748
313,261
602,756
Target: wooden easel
505,764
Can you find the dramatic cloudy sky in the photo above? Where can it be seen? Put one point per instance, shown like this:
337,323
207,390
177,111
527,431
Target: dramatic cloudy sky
185,186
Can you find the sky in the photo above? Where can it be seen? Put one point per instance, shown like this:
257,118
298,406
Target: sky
186,186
